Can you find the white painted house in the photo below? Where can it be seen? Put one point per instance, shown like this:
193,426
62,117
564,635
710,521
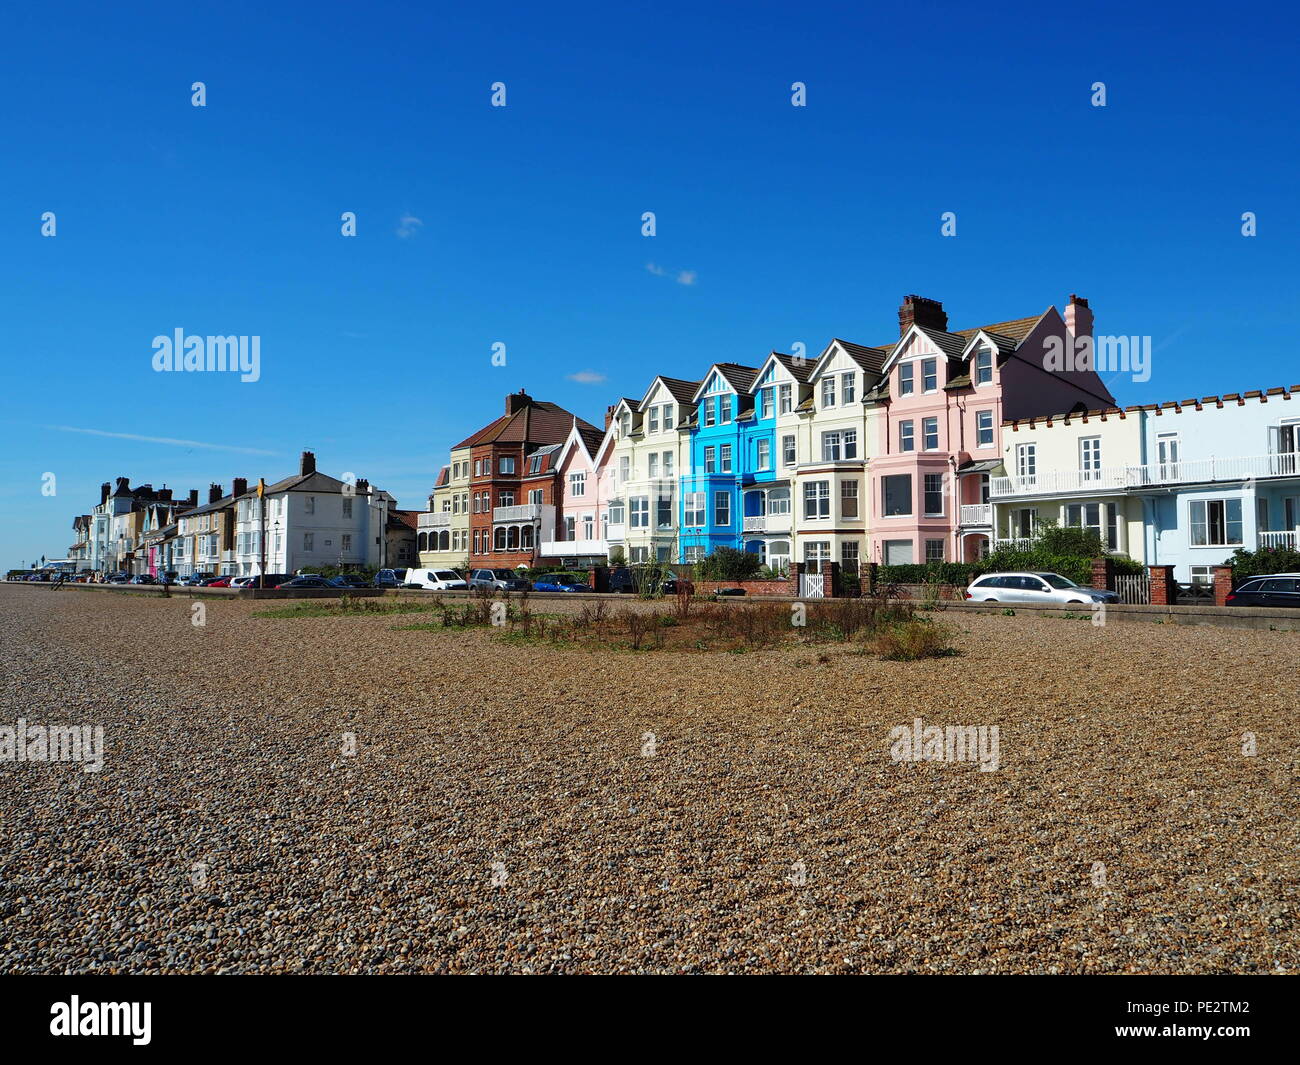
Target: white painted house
310,520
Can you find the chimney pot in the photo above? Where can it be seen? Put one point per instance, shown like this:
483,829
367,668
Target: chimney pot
105,490
214,493
193,498
239,486
517,401
308,463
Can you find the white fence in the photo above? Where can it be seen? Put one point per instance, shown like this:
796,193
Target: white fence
1280,464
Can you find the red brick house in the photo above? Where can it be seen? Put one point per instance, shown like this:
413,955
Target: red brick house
514,489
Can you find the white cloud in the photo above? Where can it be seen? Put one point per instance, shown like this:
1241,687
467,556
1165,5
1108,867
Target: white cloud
587,377
408,225
682,277
162,440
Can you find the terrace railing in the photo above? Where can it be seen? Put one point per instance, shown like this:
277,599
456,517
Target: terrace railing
1199,471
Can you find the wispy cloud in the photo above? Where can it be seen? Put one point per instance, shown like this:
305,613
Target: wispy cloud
682,277
161,440
408,225
588,377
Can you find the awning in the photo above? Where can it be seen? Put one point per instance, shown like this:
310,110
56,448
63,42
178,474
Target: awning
979,466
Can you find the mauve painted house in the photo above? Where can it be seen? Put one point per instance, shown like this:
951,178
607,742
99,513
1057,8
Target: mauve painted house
945,396
582,516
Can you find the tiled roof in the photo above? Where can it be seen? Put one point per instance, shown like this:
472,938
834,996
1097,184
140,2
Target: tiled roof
591,437
682,391
535,422
798,370
740,378
444,477
870,359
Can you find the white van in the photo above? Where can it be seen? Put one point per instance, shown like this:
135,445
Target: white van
436,580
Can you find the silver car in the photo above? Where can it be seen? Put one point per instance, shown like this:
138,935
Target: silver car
1034,588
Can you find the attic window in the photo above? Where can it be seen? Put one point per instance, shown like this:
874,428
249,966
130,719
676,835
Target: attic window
984,366
535,464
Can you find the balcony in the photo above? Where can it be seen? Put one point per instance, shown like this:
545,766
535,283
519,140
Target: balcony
616,533
519,512
766,523
1121,478
1286,538
573,548
977,514
434,519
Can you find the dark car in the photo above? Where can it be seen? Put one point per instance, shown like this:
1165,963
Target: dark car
498,580
195,579
1276,589
307,580
622,579
113,578
350,580
390,578
561,582
143,578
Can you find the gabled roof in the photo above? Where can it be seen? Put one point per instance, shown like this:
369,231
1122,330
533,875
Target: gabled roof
870,360
301,482
739,378
957,344
682,391
444,477
799,369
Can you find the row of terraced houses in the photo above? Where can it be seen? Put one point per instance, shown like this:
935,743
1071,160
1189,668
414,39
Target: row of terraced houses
936,446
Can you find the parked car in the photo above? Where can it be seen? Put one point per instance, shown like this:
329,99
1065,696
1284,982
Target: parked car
561,582
498,580
1271,589
219,582
350,580
438,580
243,582
390,578
1034,588
307,580
143,578
195,579
622,579
113,578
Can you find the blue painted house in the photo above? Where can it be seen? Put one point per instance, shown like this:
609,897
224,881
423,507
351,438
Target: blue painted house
722,436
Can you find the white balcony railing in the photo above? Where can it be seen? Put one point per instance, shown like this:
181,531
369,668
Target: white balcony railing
568,548
1286,538
434,519
1200,471
519,512
977,514
767,523
616,532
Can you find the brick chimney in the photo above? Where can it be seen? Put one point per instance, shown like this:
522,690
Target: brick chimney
926,313
517,401
307,464
123,486
363,486
609,416
239,487
1078,317
105,490
214,493
192,500
165,495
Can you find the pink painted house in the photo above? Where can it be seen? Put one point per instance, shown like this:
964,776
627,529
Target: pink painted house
942,398
584,492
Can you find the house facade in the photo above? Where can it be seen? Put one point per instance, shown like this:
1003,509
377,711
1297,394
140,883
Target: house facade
721,425
582,518
648,441
442,532
945,395
1181,484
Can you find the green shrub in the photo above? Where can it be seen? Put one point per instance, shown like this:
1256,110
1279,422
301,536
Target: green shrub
1265,560
906,641
728,564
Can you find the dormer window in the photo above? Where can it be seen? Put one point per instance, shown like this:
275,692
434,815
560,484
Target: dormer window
906,381
625,426
929,375
668,416
654,419
724,409
828,392
984,367
707,414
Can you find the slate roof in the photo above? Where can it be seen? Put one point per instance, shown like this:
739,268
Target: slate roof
535,422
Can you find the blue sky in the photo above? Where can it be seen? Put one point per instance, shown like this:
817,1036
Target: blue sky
524,222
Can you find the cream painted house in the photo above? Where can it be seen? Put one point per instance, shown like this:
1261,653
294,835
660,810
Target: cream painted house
837,422
650,450
442,534
1057,470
